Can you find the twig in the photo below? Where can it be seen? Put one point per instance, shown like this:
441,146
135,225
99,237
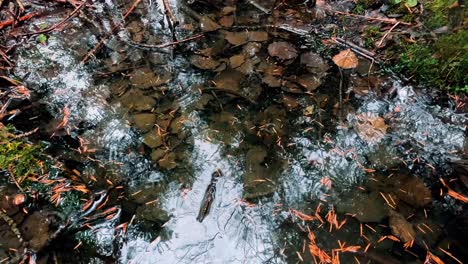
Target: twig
13,227
105,38
170,14
385,20
6,58
165,45
259,7
26,134
53,27
171,20
228,91
359,50
10,22
386,34
20,5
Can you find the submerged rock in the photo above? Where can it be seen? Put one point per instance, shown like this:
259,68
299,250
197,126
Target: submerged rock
135,99
366,207
152,213
414,192
36,229
152,139
282,50
401,228
144,121
145,78
204,63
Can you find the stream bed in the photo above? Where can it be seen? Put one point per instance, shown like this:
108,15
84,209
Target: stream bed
298,159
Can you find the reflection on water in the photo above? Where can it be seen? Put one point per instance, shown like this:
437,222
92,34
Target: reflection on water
165,122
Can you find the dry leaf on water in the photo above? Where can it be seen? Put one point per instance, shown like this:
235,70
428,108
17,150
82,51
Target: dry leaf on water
346,59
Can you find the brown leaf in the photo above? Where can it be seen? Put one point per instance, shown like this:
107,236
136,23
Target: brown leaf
346,59
283,50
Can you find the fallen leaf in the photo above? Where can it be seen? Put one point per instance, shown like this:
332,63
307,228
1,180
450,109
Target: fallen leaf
346,59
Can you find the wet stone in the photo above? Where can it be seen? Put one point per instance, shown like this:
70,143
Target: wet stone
135,99
35,229
226,21
152,139
207,24
145,78
204,63
271,81
314,63
144,121
236,60
229,80
414,192
168,162
282,50
157,154
400,227
152,213
309,82
367,207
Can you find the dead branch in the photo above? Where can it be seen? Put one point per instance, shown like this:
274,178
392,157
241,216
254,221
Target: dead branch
386,34
13,227
384,20
359,50
165,45
170,14
10,22
59,24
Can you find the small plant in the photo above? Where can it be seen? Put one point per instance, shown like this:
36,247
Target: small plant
410,3
42,38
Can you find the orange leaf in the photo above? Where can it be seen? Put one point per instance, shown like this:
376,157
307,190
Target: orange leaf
346,59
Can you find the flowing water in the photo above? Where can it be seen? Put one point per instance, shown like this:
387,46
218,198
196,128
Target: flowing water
161,126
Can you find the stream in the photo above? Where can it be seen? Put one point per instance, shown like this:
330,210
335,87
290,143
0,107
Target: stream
302,147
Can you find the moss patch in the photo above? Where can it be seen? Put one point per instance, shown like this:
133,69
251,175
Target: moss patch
441,64
34,173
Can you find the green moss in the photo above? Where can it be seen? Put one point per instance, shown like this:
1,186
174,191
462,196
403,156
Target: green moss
442,64
371,35
26,162
19,157
437,13
361,6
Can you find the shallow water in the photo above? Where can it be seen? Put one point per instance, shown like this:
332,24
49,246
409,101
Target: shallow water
273,157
